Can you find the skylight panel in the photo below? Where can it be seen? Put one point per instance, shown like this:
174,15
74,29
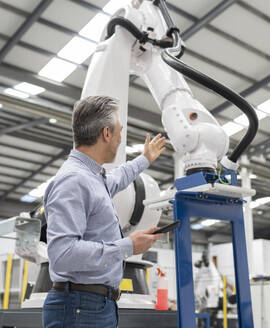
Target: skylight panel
16,93
242,120
29,88
95,27
114,5
130,150
57,69
138,147
265,106
231,128
196,226
260,201
208,222
28,199
77,50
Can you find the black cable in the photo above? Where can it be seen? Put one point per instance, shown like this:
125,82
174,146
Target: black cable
121,21
218,88
133,29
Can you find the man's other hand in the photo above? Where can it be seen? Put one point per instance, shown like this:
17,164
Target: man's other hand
142,240
152,149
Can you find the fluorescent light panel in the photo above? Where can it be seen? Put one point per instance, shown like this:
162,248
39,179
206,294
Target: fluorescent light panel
40,190
138,147
265,106
208,222
130,150
259,202
196,226
77,50
16,93
114,5
57,69
28,199
95,27
231,128
29,88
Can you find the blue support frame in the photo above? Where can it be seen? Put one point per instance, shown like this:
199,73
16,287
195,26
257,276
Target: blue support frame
205,316
190,204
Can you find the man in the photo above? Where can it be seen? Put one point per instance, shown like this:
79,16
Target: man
86,248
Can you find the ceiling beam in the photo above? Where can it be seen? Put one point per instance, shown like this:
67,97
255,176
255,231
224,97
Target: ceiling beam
89,6
34,16
24,126
219,32
144,115
243,93
207,18
83,66
39,170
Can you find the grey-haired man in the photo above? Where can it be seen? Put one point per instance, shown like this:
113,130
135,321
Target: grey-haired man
86,249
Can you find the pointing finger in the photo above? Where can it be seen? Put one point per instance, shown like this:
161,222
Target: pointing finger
156,138
147,139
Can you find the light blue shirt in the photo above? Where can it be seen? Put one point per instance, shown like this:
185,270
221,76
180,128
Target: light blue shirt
84,240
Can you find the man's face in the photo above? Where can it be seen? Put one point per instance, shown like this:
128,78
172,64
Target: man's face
115,140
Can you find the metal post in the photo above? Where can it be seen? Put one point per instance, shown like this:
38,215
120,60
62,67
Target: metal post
248,217
25,276
7,282
183,262
225,319
244,308
211,206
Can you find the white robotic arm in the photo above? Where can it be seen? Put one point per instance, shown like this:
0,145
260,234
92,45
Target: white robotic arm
193,131
135,38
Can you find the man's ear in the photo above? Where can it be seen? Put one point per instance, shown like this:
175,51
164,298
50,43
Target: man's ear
106,134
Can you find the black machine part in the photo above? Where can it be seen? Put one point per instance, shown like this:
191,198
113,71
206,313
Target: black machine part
167,228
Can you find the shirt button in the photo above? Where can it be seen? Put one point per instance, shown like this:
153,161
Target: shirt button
78,311
105,265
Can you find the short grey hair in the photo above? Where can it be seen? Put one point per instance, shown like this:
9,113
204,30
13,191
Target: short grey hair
90,116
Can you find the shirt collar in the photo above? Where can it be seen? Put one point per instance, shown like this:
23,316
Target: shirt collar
89,162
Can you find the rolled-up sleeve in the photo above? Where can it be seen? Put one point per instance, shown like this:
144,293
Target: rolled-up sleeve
122,176
67,205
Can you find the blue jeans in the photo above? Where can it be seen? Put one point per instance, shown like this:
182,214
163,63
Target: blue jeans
70,308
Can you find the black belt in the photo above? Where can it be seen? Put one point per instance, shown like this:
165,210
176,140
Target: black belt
97,289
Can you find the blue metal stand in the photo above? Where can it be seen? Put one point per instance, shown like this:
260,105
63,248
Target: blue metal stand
210,206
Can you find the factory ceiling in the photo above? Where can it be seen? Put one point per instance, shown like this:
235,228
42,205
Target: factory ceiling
228,40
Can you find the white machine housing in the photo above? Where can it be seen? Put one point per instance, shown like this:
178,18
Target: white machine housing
193,131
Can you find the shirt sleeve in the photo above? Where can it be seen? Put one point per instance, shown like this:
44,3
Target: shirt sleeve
123,175
67,204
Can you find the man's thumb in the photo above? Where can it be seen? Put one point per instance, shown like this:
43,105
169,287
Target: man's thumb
150,230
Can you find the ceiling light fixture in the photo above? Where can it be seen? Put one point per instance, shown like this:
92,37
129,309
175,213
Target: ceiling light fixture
29,88
208,222
113,5
16,93
95,27
57,69
260,201
231,128
77,50
53,120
